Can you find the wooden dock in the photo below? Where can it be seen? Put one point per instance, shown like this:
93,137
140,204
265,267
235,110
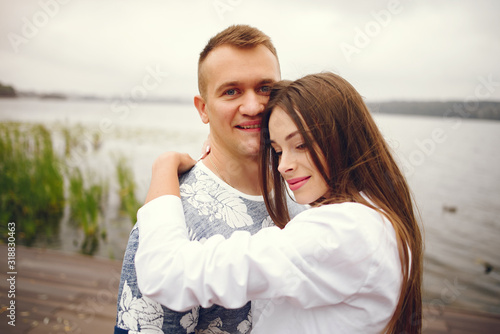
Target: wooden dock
68,293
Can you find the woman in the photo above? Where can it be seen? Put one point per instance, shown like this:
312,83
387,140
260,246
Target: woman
352,263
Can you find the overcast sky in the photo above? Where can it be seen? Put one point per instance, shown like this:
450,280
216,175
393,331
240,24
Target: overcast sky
389,50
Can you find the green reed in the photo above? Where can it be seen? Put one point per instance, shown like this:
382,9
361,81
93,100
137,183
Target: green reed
37,184
127,192
31,182
85,201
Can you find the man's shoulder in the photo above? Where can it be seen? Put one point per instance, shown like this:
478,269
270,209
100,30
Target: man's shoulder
195,174
213,207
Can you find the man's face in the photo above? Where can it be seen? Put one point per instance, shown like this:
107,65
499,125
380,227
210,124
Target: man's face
238,83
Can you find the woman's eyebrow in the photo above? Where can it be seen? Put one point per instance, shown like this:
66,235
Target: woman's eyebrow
291,135
288,137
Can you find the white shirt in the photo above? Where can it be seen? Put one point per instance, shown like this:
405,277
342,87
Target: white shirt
332,269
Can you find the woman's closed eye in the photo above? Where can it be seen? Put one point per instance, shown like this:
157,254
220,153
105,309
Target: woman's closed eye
277,151
301,146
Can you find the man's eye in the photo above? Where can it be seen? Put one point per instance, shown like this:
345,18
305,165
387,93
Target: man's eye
230,92
265,89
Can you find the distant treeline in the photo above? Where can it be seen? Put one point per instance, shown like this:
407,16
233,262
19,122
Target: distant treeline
7,91
472,109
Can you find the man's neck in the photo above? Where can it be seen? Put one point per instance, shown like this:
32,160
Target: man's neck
241,174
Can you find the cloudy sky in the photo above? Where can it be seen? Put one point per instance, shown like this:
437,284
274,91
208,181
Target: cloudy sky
403,50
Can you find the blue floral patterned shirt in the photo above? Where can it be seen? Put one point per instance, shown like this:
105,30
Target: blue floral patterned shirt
210,207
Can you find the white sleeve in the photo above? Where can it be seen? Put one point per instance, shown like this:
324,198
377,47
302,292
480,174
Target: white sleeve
320,258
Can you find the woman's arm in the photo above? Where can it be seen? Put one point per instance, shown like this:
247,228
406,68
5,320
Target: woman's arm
320,258
165,174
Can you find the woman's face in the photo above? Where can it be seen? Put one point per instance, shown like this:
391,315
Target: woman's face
295,162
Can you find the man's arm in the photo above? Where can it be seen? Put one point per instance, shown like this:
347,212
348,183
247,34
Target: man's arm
138,313
133,311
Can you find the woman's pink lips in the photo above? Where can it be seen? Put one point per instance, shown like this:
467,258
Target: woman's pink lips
298,182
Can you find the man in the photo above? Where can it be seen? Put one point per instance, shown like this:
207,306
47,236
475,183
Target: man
221,194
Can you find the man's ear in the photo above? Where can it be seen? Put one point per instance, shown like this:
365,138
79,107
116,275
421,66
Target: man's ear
201,106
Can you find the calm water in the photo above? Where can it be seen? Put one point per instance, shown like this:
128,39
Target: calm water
451,165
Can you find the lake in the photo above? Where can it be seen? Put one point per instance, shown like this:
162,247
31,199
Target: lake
451,165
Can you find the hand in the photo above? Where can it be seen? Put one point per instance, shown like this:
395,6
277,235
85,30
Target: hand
205,149
186,163
169,162
166,168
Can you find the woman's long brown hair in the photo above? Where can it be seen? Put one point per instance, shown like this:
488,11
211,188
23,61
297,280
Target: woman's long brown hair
337,128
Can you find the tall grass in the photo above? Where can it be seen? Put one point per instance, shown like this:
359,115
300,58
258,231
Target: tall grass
37,184
31,182
127,192
85,205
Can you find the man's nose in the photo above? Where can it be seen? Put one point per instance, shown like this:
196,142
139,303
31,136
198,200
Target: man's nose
253,104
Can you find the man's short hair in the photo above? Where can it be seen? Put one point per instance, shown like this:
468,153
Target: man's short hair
240,36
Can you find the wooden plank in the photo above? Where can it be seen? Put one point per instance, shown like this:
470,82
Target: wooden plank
60,293
70,293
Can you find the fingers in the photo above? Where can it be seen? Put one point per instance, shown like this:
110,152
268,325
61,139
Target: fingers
186,163
206,150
